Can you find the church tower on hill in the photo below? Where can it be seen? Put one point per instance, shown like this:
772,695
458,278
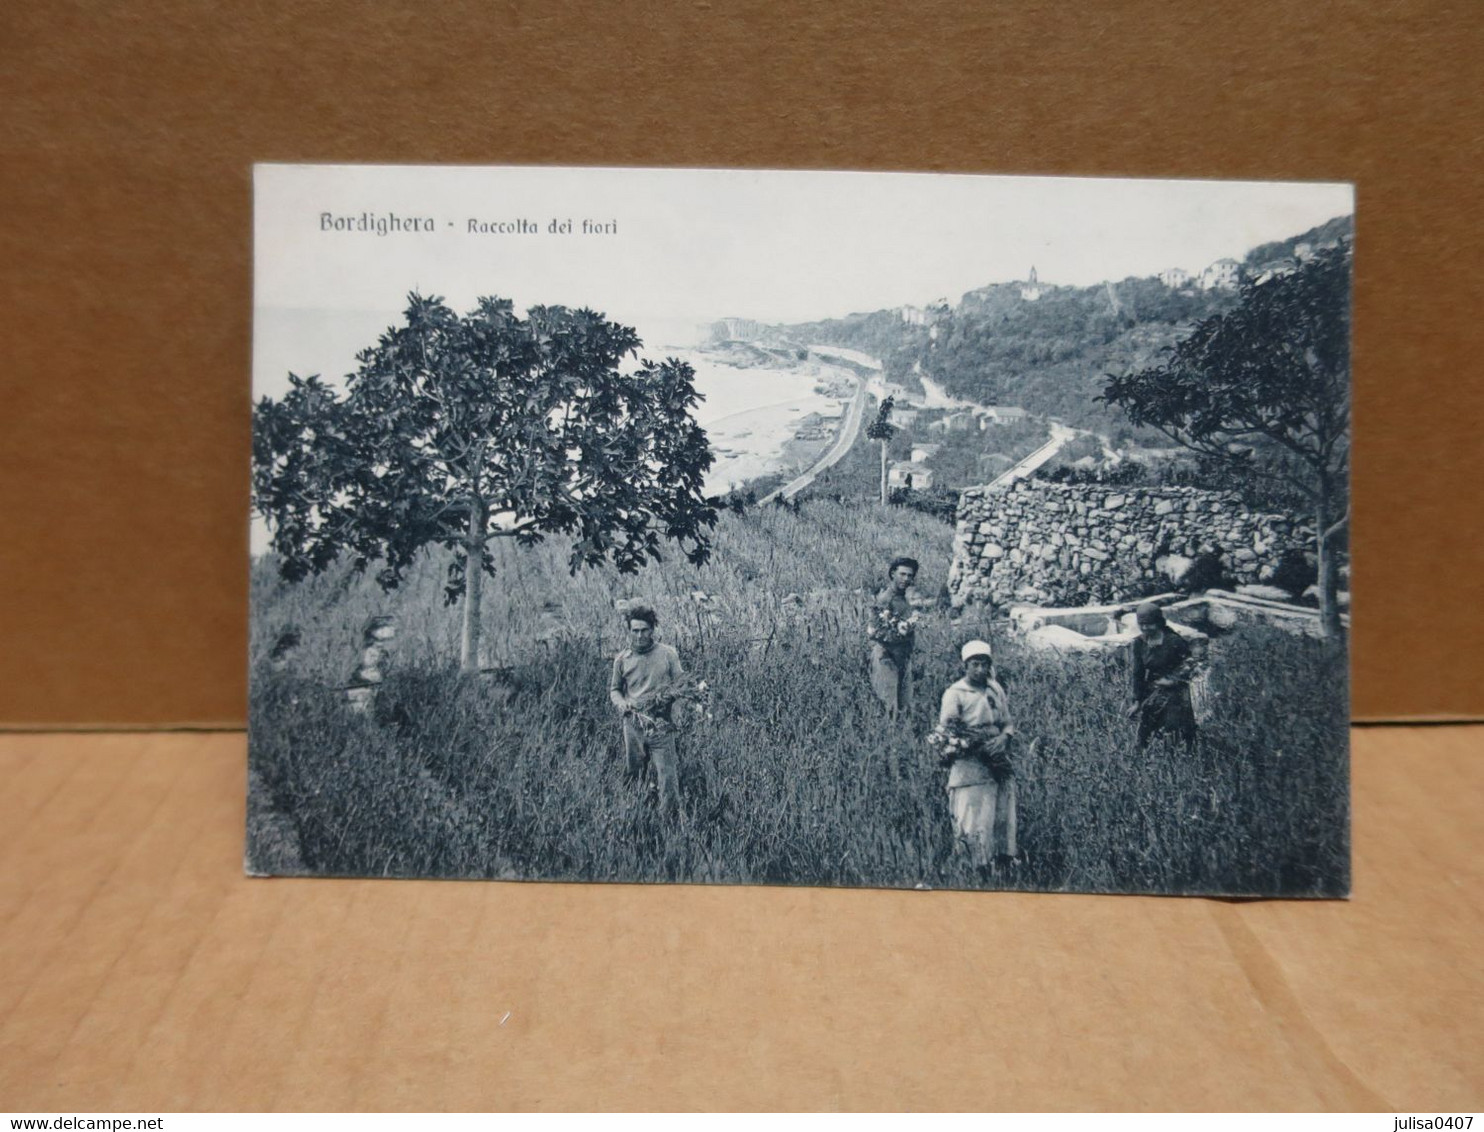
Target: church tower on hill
1030,290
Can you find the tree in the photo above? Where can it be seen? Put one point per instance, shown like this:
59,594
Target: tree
882,430
1265,388
456,431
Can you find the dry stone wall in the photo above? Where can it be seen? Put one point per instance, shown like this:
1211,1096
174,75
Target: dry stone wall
1074,544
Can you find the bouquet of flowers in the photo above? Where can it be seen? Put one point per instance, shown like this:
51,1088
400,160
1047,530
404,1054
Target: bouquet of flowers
957,740
886,628
656,711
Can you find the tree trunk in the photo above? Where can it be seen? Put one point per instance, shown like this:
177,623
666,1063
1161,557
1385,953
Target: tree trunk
473,588
883,474
1329,567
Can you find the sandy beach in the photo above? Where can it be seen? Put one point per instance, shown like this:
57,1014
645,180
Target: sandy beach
750,412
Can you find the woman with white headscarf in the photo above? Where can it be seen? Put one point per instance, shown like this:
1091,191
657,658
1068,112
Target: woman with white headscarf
973,738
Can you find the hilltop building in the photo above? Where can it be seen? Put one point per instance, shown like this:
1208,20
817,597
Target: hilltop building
1031,289
1175,278
923,316
1221,276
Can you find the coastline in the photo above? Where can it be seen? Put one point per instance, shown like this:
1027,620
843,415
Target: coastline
751,412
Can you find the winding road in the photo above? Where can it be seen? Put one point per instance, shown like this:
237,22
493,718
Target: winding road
849,429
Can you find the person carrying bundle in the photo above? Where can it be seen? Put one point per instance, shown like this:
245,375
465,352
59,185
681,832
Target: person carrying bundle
974,738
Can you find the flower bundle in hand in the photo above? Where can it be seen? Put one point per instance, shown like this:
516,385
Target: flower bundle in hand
886,628
957,740
656,710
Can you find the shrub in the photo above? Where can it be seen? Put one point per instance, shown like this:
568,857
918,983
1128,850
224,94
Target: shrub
940,502
1205,573
1295,572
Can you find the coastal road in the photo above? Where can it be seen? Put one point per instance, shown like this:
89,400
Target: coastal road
849,429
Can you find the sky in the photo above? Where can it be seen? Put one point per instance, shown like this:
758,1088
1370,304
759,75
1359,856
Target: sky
681,248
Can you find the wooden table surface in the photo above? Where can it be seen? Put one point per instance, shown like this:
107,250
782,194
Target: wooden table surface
140,970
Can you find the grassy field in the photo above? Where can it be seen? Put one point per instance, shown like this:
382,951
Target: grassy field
798,777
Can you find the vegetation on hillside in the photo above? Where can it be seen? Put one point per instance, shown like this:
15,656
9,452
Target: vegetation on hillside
796,776
1048,356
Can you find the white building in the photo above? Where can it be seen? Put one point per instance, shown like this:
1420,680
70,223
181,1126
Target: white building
1175,278
1004,414
956,422
1221,276
924,452
904,473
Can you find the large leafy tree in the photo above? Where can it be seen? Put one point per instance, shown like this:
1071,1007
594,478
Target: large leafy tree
1265,388
455,431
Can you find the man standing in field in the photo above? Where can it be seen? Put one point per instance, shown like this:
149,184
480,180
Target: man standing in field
641,687
892,630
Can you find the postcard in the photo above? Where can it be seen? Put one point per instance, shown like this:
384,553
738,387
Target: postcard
823,528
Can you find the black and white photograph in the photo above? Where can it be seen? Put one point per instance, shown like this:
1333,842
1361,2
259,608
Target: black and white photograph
901,530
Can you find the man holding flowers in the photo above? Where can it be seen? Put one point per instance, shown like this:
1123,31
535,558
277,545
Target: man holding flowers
646,679
892,630
973,739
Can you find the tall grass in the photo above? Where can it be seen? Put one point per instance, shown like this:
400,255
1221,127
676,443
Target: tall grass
798,777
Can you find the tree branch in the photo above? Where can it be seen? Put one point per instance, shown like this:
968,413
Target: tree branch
1337,526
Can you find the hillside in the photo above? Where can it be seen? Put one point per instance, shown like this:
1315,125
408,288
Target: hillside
793,774
1048,355
882,334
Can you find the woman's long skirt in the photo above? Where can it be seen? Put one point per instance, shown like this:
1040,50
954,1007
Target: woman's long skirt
984,818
